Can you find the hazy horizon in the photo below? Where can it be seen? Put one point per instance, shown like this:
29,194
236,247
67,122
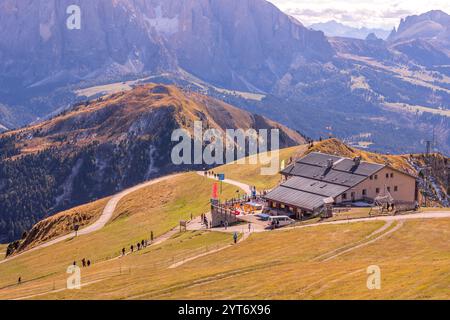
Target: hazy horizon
371,14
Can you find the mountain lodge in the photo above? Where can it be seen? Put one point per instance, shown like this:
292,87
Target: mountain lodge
319,179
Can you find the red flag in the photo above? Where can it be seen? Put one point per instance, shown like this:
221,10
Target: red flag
215,191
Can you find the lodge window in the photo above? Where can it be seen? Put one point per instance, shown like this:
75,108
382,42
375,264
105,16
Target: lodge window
387,175
376,177
392,175
364,192
389,189
371,177
377,190
344,196
396,188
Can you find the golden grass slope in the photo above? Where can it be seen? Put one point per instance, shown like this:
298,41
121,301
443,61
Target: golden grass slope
137,215
414,260
414,263
251,173
62,224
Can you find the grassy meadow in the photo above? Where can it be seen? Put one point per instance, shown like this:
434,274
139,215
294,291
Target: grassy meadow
309,262
136,216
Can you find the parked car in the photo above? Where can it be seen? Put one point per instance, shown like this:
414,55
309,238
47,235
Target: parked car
279,221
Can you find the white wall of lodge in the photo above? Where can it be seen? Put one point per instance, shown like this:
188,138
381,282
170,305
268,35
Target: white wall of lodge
402,187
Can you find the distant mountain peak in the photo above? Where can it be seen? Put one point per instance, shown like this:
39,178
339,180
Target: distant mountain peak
431,24
333,28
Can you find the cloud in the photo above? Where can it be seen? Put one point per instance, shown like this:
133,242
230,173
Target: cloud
359,13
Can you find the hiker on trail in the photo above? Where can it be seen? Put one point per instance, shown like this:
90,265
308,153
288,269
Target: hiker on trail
139,246
142,243
89,263
132,248
123,251
226,225
19,281
235,237
249,227
74,263
83,262
151,236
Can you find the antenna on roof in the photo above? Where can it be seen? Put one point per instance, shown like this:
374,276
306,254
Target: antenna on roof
330,163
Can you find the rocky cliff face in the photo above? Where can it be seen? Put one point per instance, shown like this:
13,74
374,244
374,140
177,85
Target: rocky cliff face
425,33
358,87
237,44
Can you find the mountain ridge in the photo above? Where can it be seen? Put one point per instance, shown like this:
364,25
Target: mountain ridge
303,79
100,147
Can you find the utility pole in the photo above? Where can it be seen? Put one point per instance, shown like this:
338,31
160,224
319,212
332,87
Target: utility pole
428,147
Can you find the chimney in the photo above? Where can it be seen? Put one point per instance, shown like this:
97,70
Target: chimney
357,161
330,163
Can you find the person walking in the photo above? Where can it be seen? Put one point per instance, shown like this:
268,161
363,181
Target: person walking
83,262
132,248
235,237
249,227
89,263
123,251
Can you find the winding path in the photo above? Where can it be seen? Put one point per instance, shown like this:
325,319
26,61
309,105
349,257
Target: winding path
243,186
106,215
412,216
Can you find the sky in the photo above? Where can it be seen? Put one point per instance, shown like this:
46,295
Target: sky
383,14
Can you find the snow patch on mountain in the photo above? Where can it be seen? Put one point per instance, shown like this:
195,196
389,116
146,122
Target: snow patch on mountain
163,24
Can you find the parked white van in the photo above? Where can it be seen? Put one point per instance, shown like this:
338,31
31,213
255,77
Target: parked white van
279,221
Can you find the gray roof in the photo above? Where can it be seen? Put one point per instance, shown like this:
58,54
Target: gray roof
311,180
305,193
344,171
297,198
316,187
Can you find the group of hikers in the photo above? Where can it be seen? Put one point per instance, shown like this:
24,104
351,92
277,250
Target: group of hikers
85,263
211,173
139,246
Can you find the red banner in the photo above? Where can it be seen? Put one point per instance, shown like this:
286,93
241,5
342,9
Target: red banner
215,191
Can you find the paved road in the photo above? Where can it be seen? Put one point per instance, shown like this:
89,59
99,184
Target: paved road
106,215
412,216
